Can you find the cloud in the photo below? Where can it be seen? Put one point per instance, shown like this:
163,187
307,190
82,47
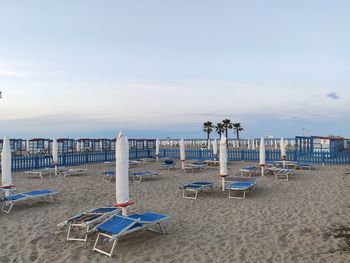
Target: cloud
11,72
151,87
333,95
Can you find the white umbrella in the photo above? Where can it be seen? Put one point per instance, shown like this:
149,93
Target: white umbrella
215,148
262,156
55,154
223,161
248,144
283,151
157,149
101,145
122,173
182,152
27,146
209,144
77,145
276,146
6,178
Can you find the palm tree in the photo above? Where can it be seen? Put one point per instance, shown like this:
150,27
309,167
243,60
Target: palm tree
237,128
227,125
219,129
208,128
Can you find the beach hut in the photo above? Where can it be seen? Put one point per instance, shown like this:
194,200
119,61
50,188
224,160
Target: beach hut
223,161
262,156
6,178
39,146
65,145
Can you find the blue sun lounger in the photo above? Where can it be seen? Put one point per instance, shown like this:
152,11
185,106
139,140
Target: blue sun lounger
248,170
116,226
108,176
86,219
10,200
168,164
195,188
138,176
240,187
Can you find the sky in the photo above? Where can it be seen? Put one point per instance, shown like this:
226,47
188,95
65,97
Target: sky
163,68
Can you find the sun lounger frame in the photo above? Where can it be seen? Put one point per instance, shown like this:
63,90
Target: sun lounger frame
8,204
140,175
127,230
86,224
240,189
63,173
199,187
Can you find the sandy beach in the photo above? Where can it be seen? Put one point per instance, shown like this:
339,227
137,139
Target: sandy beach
280,221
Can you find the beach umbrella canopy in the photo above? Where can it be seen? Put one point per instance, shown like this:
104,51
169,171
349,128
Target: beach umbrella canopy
27,145
6,178
157,146
77,145
55,151
122,172
215,147
283,149
223,161
182,150
262,156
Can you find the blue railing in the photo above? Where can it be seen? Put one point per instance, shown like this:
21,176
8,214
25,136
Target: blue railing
23,163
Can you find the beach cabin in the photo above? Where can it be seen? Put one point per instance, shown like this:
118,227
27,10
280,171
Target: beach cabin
16,146
39,146
65,145
320,144
85,144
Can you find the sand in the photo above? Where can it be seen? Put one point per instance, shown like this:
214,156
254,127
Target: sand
281,221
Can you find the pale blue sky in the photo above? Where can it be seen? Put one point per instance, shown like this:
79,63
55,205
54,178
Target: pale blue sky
162,68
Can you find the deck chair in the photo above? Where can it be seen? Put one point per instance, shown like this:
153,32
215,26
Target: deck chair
64,172
240,187
87,219
194,167
283,173
41,173
168,164
304,166
10,200
191,190
138,176
250,170
108,176
116,226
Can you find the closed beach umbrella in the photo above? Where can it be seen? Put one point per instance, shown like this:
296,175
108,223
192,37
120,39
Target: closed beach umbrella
157,149
283,149
215,148
6,178
248,142
223,161
122,173
55,154
77,145
262,156
209,144
27,146
182,152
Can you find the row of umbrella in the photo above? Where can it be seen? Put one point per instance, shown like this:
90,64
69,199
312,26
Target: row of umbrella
122,169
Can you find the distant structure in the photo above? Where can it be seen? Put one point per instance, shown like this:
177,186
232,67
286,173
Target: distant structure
0,94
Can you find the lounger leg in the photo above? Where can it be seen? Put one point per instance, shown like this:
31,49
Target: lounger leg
160,230
189,197
138,181
6,204
102,251
235,197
